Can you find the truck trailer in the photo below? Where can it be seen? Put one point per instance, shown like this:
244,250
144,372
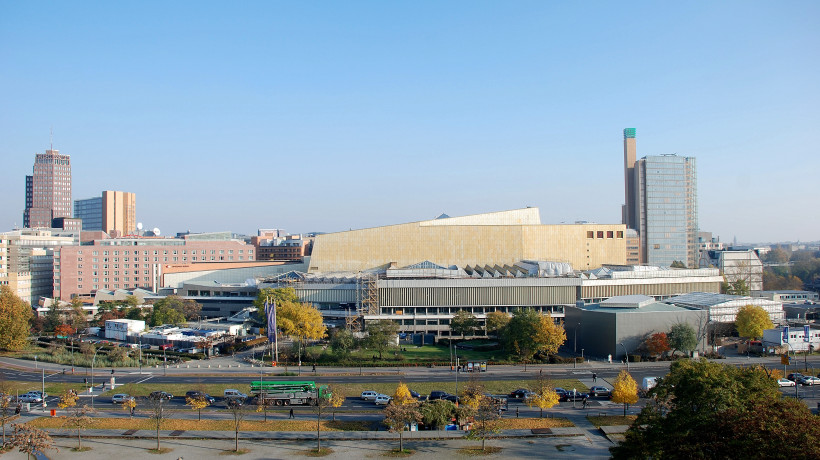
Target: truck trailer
287,393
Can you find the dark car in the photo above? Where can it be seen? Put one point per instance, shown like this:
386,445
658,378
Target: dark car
573,396
415,394
157,395
199,394
436,395
600,392
520,393
795,377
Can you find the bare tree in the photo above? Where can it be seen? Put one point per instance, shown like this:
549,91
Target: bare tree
5,403
158,413
239,412
30,440
398,416
320,402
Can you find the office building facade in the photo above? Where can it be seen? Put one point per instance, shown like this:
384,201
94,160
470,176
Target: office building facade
667,209
48,190
113,212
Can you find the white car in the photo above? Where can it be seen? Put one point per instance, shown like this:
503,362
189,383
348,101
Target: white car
369,395
810,381
785,383
121,398
382,400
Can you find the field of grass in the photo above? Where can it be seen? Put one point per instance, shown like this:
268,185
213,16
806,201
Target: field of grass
348,389
410,353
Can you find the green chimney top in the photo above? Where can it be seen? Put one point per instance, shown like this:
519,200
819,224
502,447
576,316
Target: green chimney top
629,133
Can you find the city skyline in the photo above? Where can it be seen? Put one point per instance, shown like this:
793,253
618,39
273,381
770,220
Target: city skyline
331,117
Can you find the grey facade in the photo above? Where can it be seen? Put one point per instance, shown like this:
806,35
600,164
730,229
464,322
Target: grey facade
91,212
601,331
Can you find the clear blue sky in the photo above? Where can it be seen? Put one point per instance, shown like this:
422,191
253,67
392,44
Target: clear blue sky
325,116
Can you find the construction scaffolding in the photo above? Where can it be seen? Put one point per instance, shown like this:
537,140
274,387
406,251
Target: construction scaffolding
367,300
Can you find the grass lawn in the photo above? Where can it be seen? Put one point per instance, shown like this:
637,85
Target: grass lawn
426,353
348,389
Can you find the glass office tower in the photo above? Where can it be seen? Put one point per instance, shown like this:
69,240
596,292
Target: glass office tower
666,198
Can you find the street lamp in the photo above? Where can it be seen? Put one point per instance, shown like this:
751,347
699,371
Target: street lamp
796,383
575,338
626,356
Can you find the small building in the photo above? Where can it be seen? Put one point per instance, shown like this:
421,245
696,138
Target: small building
800,338
619,325
722,308
120,329
789,296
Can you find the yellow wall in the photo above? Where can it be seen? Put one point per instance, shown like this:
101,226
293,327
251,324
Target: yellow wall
462,245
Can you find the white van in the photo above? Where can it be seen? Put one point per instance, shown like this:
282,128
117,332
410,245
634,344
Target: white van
647,384
382,400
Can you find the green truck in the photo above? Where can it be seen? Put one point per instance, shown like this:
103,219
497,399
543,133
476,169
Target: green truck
288,393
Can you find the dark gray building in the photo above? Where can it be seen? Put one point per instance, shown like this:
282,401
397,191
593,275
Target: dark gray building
620,324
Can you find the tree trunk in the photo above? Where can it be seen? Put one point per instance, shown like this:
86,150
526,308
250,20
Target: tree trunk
624,409
236,441
318,426
200,415
401,440
79,439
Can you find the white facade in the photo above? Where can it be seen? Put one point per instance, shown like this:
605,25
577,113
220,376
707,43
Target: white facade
788,296
119,329
723,308
797,338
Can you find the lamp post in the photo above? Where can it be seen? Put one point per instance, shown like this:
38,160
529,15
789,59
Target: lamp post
796,383
92,376
626,356
575,338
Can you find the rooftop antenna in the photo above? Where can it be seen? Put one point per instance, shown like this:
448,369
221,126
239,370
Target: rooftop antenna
51,138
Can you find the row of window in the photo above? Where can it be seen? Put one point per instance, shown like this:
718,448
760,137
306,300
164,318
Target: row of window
609,234
165,252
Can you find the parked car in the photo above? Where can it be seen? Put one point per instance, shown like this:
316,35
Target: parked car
785,383
436,395
369,395
234,395
573,396
600,392
382,400
520,393
415,395
794,377
156,395
31,398
809,380
121,398
561,392
145,346
199,394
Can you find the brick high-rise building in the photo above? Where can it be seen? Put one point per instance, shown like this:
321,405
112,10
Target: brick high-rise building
48,190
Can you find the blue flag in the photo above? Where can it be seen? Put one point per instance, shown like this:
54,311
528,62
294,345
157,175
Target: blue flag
270,312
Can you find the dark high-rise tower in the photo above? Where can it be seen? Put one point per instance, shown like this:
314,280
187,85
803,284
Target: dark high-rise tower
48,190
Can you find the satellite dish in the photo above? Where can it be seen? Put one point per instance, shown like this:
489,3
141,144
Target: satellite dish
139,226
156,231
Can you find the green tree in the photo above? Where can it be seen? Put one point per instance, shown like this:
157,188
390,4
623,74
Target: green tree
678,264
189,308
777,256
496,322
53,317
163,314
381,335
278,295
136,313
703,409
436,414
530,332
342,342
15,315
682,337
463,323
751,321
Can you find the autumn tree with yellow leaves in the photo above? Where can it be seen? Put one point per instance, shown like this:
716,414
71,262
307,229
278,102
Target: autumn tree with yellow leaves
78,417
15,315
544,395
625,390
402,395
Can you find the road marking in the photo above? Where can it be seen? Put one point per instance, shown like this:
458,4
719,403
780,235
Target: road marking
145,379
